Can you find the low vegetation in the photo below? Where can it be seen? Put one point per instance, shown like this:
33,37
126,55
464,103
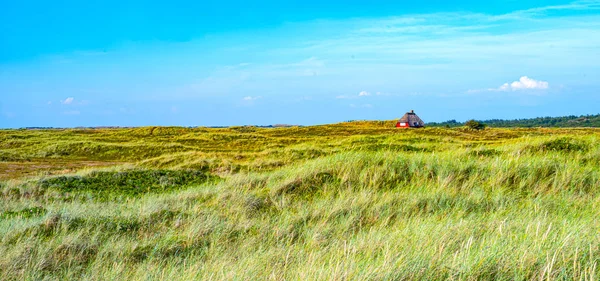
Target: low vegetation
475,125
350,201
552,122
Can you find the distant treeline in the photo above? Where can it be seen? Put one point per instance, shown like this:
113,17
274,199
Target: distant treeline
565,121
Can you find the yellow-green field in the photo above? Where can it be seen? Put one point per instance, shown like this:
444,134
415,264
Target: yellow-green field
350,201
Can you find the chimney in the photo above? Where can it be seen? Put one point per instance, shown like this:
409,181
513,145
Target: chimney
412,111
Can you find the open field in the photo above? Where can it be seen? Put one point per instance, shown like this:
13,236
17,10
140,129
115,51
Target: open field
349,201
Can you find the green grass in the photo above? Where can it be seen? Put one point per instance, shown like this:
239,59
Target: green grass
349,201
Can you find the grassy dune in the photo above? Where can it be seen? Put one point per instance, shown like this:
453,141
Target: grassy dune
350,201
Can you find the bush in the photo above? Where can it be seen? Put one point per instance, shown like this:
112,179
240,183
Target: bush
475,125
563,145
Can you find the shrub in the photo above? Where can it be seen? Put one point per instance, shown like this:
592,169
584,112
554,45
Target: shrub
475,125
484,152
129,183
564,145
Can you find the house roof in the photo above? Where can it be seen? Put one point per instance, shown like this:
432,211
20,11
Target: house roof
411,118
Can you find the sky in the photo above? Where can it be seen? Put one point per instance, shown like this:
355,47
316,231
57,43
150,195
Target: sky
222,63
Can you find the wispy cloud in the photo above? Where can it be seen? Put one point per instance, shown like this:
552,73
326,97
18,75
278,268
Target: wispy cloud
67,100
587,5
250,98
72,101
361,60
359,95
415,53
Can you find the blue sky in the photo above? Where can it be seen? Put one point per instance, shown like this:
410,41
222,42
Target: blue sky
203,63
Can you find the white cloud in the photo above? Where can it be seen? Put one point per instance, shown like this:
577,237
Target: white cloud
364,94
524,83
249,98
67,101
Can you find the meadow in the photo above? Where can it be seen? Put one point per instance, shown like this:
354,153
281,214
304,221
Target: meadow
347,201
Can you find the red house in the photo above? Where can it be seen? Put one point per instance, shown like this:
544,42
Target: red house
410,120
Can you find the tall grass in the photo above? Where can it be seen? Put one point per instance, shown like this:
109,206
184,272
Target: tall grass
353,201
